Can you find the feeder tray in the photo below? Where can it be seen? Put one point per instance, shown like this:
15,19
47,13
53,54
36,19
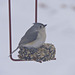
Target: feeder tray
45,53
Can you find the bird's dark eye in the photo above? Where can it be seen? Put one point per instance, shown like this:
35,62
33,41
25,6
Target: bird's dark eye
40,26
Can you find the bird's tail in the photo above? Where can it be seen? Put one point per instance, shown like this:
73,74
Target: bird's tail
14,51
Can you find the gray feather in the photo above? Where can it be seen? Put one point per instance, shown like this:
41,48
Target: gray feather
14,51
28,37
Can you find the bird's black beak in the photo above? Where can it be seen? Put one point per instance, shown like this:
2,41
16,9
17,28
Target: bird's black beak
45,25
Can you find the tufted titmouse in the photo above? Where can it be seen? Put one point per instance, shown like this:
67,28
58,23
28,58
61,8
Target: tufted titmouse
34,37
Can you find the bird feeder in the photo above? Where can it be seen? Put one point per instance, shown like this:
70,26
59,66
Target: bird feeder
45,53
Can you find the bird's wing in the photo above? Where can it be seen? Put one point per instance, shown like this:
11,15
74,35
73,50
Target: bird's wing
28,37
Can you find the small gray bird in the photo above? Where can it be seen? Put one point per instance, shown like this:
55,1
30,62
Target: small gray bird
34,37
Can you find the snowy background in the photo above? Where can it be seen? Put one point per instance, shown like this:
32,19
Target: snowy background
59,15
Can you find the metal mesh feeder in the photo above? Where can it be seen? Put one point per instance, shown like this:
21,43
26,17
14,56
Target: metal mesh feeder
45,53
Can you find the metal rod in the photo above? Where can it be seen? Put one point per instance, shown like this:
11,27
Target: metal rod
10,38
35,11
10,33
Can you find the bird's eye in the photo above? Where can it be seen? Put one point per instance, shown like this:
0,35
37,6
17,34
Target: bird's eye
40,26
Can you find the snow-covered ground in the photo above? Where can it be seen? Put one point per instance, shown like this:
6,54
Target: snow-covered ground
59,15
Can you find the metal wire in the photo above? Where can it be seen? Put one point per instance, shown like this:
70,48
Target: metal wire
10,33
35,11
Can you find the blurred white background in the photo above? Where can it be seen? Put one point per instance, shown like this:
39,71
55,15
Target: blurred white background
59,15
